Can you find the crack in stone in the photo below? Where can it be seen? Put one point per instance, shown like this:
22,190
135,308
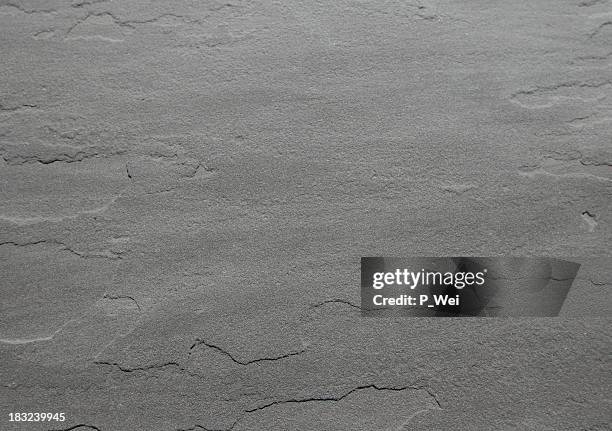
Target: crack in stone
79,156
335,301
346,394
548,92
21,107
108,296
200,427
590,219
28,11
106,254
328,399
599,28
595,163
131,24
64,157
152,367
344,302
74,427
199,342
599,283
88,3
143,368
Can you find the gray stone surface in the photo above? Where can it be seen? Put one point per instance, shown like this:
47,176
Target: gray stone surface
187,188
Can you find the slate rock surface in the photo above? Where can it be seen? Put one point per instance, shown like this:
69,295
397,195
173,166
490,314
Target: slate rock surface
187,188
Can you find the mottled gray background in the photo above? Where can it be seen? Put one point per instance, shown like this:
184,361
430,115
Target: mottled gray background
187,188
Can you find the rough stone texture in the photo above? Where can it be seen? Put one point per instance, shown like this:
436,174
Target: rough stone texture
187,188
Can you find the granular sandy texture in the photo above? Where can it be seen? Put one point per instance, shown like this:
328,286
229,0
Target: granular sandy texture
187,188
